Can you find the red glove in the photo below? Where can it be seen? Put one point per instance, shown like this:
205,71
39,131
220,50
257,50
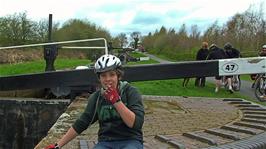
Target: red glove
112,95
52,146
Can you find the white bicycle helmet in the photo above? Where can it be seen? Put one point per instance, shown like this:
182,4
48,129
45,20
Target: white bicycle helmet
106,63
264,46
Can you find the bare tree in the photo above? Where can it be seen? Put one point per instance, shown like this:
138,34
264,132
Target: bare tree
122,38
194,36
183,38
195,33
136,37
213,33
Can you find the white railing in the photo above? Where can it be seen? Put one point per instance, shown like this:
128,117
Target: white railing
63,42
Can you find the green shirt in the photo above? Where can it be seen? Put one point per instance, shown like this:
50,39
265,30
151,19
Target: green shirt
112,127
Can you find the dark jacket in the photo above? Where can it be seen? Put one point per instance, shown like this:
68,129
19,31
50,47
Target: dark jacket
216,53
111,125
232,53
202,54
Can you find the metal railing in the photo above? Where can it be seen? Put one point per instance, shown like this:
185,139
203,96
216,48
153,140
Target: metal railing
63,42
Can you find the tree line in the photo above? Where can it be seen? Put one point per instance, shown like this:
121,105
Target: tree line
245,31
18,29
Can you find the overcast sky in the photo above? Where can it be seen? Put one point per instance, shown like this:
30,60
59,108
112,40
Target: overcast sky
131,15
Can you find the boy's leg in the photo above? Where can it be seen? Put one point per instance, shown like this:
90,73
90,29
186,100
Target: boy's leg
102,145
131,144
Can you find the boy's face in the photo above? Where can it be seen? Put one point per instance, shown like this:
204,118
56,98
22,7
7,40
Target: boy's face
109,79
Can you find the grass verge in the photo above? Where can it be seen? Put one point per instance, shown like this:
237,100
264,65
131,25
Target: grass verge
39,66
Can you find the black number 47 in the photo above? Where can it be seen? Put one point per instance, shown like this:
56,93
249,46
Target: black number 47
230,67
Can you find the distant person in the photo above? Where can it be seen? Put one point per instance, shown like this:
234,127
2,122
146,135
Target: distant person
202,54
230,53
215,54
122,58
117,107
110,47
261,53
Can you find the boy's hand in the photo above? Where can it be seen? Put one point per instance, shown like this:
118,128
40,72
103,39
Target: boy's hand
112,95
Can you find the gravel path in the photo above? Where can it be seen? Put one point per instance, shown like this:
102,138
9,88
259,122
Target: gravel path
156,58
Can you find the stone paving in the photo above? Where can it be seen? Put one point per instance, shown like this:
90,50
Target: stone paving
170,116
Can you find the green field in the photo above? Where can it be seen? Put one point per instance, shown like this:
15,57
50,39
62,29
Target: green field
174,88
39,66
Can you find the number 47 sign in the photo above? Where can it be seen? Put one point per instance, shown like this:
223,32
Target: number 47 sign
242,66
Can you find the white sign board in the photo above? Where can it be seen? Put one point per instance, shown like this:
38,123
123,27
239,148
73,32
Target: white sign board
238,66
144,58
